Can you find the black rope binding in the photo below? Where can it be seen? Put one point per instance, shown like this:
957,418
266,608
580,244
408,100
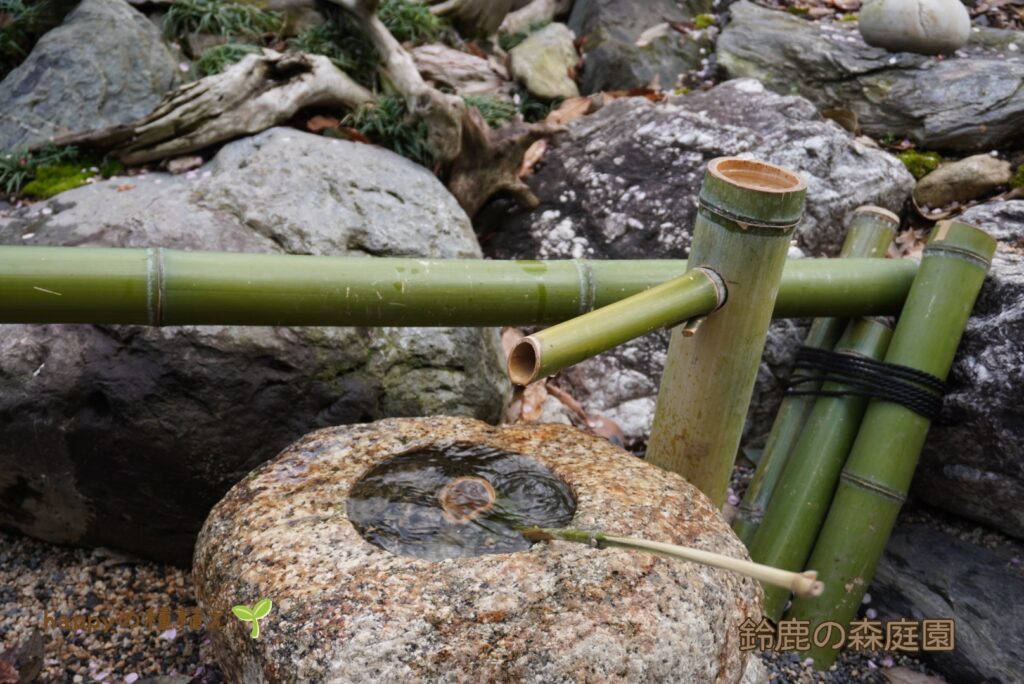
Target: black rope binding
863,377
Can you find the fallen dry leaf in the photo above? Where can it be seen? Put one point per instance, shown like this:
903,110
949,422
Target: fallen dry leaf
846,5
533,155
183,164
320,123
125,187
570,110
353,134
534,397
569,401
607,428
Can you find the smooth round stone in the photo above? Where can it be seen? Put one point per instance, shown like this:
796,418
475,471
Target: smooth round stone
927,27
346,610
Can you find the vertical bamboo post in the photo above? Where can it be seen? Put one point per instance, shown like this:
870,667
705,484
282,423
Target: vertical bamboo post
872,230
877,475
748,210
800,502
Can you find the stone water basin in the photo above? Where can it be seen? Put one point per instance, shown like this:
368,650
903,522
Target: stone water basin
373,580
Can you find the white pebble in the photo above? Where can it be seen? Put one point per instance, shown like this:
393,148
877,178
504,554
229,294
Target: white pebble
892,60
1013,47
28,236
866,599
46,211
183,67
207,174
871,613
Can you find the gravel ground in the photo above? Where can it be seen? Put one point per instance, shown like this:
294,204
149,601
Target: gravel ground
39,580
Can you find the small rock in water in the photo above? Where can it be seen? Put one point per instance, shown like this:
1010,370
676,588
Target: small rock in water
927,27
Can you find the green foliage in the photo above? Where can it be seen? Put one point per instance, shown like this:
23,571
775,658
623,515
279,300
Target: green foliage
507,41
411,22
219,17
497,111
343,44
920,164
849,17
387,123
21,23
19,167
703,21
217,59
532,109
1018,177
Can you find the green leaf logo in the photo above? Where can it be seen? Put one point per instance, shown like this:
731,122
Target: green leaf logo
253,614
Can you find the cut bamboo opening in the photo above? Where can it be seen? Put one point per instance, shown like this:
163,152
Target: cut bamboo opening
696,293
748,210
805,584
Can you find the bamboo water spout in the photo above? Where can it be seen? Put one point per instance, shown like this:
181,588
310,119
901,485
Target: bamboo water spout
172,287
696,293
748,210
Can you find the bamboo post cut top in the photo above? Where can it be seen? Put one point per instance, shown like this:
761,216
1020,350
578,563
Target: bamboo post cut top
748,210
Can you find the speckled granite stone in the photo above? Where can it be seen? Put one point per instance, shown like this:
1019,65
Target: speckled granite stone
347,611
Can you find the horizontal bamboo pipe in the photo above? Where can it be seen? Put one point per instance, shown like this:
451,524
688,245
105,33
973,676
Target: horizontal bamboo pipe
174,287
696,293
804,584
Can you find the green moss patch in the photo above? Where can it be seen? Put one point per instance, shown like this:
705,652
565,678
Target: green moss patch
920,164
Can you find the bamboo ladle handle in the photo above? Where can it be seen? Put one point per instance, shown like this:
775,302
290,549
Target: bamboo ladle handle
803,584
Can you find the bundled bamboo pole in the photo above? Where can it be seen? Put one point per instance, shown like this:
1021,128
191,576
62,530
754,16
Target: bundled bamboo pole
800,502
748,210
877,475
172,287
872,230
696,293
800,583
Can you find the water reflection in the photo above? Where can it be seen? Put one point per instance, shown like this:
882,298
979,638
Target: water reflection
488,495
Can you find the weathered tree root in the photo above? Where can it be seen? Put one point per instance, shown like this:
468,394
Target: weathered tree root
473,18
490,161
534,12
269,88
259,92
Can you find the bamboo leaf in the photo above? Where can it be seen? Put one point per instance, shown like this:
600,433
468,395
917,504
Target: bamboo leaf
243,612
262,609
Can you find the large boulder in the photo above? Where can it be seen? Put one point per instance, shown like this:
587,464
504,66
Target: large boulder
930,573
972,461
125,436
970,102
346,610
623,183
630,44
105,65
